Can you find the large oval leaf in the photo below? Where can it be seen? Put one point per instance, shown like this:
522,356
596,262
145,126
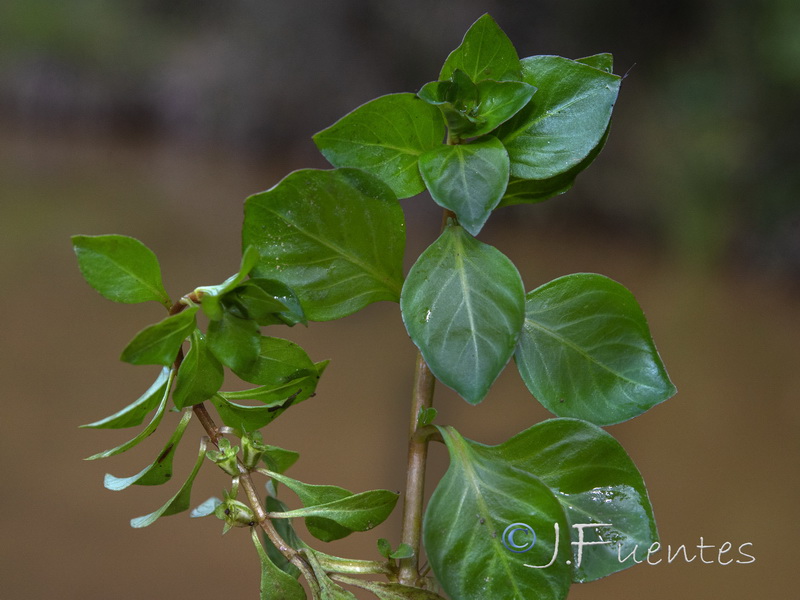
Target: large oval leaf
586,351
468,179
596,482
468,528
463,306
385,137
335,237
565,120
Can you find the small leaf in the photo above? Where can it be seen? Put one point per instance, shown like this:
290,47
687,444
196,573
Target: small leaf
146,432
485,53
250,418
157,473
133,414
384,137
180,501
403,551
120,268
586,351
210,296
297,389
480,498
279,459
328,589
564,121
463,306
335,237
206,508
384,547
426,416
498,101
276,584
267,302
199,376
352,512
159,343
468,179
278,362
234,341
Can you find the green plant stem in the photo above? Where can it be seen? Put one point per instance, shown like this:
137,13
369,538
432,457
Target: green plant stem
422,398
253,499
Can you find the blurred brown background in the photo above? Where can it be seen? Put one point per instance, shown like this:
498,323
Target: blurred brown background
156,118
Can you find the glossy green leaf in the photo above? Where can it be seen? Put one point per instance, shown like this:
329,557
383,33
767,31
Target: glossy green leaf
181,500
278,362
463,307
351,512
297,389
485,53
468,179
531,191
564,121
159,343
133,414
200,375
335,237
120,268
147,431
595,481
457,100
267,302
498,101
470,517
251,418
157,473
604,61
384,137
234,341
279,459
586,351
210,296
276,584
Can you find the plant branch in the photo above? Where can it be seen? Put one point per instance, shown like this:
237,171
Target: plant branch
422,398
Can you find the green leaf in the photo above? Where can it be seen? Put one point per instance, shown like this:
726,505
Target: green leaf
199,376
210,296
328,589
531,191
595,481
335,237
468,179
463,305
159,343
180,501
384,137
498,101
157,473
120,268
470,516
604,61
234,341
147,431
133,414
485,53
457,99
586,351
351,512
276,584
564,121
278,362
267,302
251,418
279,459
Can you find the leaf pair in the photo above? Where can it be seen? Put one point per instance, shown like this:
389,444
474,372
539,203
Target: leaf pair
545,481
